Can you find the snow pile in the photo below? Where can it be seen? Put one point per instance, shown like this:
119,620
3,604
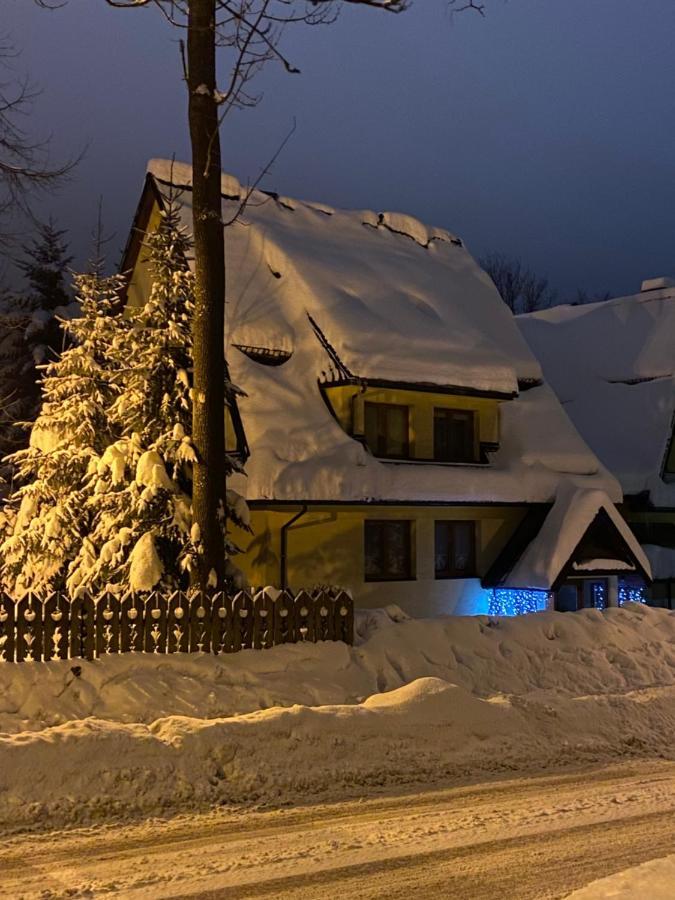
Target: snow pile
653,880
420,733
398,301
465,697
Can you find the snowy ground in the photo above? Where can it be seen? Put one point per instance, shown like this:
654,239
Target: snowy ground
512,839
463,698
498,757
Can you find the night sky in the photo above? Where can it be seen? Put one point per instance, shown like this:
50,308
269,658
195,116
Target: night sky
545,130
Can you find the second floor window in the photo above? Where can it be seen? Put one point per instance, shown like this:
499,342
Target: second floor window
386,430
454,435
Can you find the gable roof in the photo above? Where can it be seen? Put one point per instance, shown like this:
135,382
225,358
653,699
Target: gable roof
581,534
612,365
393,300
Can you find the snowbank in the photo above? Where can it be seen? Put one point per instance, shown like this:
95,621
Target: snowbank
654,880
464,697
590,652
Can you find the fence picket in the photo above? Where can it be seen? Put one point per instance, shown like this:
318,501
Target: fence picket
221,624
178,623
324,616
304,617
154,623
284,619
82,627
242,621
131,623
344,618
56,627
28,629
7,617
200,623
263,620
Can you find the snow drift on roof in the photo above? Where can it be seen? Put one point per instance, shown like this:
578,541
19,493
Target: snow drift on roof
564,527
612,365
411,306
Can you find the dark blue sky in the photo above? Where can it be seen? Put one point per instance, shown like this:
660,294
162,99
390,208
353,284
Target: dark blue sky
545,130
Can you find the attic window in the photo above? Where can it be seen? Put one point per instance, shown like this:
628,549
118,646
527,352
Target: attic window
266,356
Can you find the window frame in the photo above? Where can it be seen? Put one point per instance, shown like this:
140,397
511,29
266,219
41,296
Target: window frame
453,574
445,412
410,563
382,406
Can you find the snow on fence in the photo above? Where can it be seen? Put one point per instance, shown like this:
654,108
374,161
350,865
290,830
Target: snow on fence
59,627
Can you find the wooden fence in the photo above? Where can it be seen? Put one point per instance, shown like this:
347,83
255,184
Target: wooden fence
58,627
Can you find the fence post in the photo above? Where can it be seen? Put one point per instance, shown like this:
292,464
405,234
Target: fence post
7,616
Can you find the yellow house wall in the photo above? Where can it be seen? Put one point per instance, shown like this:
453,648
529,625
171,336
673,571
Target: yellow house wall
141,283
347,402
326,546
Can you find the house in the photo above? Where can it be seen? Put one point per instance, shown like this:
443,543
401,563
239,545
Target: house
612,365
400,440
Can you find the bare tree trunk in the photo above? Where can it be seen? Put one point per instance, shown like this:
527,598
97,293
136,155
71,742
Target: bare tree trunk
208,422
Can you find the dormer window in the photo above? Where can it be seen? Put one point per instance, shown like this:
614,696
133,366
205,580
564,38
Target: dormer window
387,430
454,435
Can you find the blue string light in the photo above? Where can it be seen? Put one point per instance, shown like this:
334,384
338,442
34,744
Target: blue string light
513,602
631,592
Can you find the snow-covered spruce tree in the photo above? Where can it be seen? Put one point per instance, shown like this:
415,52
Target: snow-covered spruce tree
45,268
66,443
30,334
140,502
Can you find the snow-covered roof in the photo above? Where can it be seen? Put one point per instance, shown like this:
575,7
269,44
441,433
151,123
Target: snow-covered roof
612,365
564,527
398,301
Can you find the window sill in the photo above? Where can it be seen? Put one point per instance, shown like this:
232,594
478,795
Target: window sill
433,462
463,577
389,580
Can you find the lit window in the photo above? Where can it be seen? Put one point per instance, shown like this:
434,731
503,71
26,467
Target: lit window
454,435
455,549
387,550
386,430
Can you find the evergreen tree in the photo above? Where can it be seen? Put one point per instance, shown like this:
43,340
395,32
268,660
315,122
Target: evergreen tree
66,443
107,499
143,536
45,267
30,333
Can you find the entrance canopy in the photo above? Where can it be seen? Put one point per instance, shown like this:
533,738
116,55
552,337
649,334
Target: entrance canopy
581,536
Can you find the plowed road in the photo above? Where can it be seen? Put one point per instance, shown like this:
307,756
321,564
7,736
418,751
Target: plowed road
527,838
